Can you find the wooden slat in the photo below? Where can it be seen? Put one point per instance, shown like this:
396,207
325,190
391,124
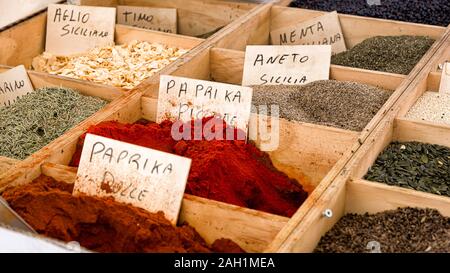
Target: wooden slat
365,196
194,17
7,163
125,34
21,43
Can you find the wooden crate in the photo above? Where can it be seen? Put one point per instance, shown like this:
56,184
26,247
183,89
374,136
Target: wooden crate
40,80
350,193
253,230
254,29
194,17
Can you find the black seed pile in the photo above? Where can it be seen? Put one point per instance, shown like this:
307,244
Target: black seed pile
414,165
405,230
431,12
341,104
393,54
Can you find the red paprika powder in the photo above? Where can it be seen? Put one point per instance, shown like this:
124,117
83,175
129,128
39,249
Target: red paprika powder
103,225
230,171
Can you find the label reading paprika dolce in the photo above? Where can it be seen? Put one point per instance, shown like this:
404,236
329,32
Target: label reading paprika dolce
159,19
14,83
322,30
286,65
186,99
75,29
146,178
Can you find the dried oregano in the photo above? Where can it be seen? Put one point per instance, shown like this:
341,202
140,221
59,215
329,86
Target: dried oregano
393,54
40,117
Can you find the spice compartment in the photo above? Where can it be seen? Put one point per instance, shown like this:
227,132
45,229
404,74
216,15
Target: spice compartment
257,27
194,18
353,196
16,48
252,230
40,80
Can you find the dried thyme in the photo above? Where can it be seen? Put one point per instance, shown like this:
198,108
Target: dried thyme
405,230
393,54
341,104
40,117
413,165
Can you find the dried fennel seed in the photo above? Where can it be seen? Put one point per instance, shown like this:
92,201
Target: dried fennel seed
405,230
346,105
413,165
122,66
41,116
432,107
393,54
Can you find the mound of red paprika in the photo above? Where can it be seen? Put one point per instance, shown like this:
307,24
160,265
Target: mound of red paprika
230,171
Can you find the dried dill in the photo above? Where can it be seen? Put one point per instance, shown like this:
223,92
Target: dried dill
40,117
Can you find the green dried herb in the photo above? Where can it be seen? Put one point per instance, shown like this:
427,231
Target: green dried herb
405,230
414,165
40,117
394,54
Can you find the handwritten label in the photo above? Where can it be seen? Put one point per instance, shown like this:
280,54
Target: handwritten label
14,83
186,99
287,65
75,29
444,86
159,19
322,30
145,178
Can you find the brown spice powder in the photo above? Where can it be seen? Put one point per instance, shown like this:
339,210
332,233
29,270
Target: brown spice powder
103,225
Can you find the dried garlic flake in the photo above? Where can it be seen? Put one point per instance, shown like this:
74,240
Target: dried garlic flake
122,66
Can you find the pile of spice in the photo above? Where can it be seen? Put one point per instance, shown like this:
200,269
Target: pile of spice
341,104
393,54
122,66
405,230
230,171
414,165
432,12
432,107
103,225
39,117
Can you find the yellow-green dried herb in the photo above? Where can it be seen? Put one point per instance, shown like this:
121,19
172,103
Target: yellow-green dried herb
393,54
41,116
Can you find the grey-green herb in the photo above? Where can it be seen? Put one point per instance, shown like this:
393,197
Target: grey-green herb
393,54
39,117
414,165
405,230
342,104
